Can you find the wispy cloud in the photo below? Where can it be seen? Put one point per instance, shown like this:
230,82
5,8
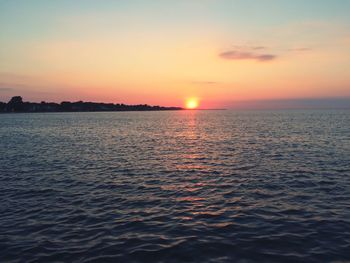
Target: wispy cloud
300,49
248,52
244,55
11,77
248,47
4,89
302,103
204,82
258,53
258,48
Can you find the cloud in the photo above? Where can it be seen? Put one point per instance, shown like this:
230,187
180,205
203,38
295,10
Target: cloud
2,89
257,53
248,47
204,82
10,77
302,103
300,49
246,55
258,47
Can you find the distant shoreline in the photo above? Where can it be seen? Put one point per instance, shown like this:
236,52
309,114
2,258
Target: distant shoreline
17,105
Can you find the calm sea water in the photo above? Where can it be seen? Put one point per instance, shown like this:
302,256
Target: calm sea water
188,186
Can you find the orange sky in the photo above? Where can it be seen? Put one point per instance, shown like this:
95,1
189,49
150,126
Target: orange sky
163,53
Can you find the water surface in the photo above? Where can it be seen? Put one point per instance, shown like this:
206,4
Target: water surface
188,186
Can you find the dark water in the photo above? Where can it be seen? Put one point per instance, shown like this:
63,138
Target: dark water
191,186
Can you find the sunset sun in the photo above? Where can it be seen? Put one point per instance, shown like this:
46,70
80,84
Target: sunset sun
175,131
192,103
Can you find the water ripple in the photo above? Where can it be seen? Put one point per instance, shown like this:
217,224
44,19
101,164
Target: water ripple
201,186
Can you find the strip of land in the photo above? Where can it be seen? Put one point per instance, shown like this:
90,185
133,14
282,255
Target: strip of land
16,104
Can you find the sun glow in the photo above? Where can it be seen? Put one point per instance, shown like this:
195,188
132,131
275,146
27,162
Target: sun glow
192,103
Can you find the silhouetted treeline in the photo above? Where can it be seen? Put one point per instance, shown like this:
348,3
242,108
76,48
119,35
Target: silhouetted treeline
16,104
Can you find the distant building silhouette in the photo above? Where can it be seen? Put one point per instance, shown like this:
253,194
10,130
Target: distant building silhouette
16,104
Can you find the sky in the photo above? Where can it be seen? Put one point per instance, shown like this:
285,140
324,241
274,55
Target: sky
226,53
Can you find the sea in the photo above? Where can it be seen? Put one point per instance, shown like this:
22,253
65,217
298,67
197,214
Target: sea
175,186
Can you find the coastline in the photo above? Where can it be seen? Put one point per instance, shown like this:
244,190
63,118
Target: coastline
17,105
